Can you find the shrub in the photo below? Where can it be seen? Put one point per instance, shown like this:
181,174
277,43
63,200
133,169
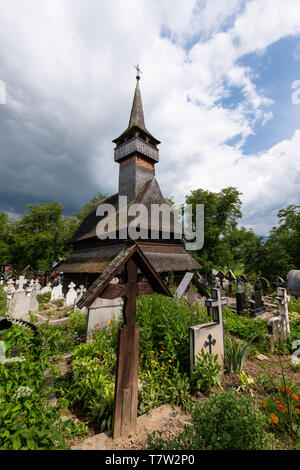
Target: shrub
225,421
165,323
162,382
254,331
206,372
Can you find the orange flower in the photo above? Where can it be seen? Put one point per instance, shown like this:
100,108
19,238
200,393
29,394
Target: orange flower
277,401
285,389
162,351
152,352
263,404
162,368
274,418
295,396
282,408
170,360
154,362
297,409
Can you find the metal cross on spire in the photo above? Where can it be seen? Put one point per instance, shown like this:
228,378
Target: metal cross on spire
138,71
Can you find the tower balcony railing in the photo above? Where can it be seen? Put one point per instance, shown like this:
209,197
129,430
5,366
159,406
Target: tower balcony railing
136,145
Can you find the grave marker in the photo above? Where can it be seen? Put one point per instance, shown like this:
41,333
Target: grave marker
209,336
130,260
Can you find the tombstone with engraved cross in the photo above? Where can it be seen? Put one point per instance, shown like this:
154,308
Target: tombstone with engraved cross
209,337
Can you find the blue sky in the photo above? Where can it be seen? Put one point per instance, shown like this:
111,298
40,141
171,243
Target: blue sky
216,90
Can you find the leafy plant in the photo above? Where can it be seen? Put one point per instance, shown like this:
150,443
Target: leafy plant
164,324
235,354
225,421
206,372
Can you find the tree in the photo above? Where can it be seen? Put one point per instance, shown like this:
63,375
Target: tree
281,251
221,212
7,225
41,236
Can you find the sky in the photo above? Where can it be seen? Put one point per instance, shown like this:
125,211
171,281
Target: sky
220,89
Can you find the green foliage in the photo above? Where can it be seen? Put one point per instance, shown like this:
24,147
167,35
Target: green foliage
282,408
7,226
221,212
161,382
2,302
90,383
225,421
281,252
43,298
27,421
206,372
59,339
165,323
235,354
294,305
254,331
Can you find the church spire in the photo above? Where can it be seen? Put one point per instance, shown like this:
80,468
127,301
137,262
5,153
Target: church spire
137,114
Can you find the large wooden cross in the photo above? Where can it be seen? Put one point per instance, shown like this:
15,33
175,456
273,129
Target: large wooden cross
131,260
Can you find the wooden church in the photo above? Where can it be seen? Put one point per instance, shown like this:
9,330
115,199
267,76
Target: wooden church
137,153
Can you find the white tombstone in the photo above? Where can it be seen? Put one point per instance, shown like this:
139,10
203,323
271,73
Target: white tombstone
47,288
101,312
37,286
71,295
21,303
57,292
10,287
279,327
282,300
33,303
21,282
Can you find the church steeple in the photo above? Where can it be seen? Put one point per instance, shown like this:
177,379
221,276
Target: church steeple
137,114
136,150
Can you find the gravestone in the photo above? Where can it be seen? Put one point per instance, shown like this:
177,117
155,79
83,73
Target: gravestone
265,285
57,292
33,303
21,281
279,327
221,277
294,283
21,300
71,295
241,301
131,259
209,337
101,312
231,278
257,305
47,288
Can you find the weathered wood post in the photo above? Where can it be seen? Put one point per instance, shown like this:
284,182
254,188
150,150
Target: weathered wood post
126,391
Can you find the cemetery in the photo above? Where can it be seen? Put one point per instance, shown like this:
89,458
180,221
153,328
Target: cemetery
124,343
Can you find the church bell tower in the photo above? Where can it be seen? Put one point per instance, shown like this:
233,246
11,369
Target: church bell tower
136,150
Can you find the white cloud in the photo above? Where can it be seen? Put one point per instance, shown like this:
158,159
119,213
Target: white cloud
67,66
